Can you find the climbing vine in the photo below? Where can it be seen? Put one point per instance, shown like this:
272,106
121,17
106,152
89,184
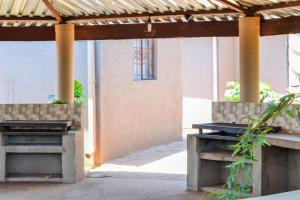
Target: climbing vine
240,176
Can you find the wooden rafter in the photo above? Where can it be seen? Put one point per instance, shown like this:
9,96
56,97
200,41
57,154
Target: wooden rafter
222,28
233,6
275,6
162,30
54,12
233,9
104,17
147,15
27,19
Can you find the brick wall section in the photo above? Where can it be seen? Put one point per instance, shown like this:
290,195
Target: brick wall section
42,112
239,112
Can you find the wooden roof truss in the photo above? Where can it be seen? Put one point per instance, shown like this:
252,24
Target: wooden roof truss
134,14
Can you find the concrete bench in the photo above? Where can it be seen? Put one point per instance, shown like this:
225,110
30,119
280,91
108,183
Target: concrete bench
294,195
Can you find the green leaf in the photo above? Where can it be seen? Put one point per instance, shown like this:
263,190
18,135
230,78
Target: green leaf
78,89
267,95
79,96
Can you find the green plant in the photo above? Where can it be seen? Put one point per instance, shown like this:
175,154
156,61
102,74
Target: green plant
79,95
232,92
267,95
58,102
254,137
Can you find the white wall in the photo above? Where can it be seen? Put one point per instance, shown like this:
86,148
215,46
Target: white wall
227,63
197,81
27,70
274,62
294,61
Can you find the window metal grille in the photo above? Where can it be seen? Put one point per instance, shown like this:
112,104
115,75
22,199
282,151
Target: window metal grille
143,60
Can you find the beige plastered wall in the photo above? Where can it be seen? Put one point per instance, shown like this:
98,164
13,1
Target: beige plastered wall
198,65
197,80
135,115
273,62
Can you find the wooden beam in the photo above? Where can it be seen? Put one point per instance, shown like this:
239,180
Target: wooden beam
30,33
128,31
110,17
161,30
54,12
233,6
275,6
27,19
287,25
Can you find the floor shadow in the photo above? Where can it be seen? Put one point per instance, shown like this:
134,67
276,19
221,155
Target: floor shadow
137,175
150,155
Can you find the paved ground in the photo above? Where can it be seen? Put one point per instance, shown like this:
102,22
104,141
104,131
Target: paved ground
166,162
155,174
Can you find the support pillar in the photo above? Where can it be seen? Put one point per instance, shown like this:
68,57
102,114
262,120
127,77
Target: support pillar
64,35
92,149
193,163
249,32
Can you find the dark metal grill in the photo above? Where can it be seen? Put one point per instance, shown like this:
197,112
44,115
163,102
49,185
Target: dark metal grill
226,131
39,151
34,126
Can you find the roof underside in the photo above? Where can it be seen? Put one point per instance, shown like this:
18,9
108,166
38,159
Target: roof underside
109,12
127,19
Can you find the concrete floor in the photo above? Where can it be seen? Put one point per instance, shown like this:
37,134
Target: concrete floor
158,173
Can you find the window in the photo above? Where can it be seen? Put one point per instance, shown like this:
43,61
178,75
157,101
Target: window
143,60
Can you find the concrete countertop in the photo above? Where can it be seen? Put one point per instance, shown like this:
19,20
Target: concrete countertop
284,140
294,195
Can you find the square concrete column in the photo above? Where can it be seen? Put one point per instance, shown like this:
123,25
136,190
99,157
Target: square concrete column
249,32
64,35
193,163
2,164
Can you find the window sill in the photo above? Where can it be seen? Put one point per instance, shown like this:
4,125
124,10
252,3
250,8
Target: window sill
144,79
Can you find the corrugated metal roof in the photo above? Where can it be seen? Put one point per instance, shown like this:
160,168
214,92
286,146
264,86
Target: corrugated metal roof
84,8
23,8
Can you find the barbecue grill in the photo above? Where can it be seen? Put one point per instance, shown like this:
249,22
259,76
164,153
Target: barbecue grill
37,151
210,151
226,131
